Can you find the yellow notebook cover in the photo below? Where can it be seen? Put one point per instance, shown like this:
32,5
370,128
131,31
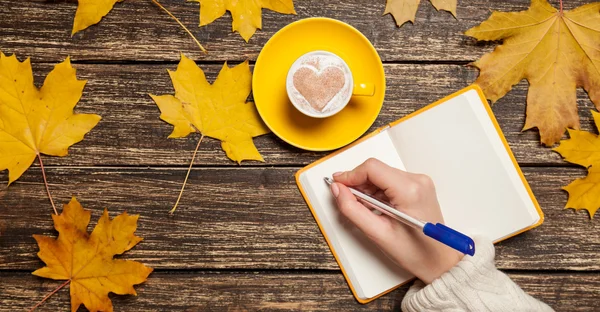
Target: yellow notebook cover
377,131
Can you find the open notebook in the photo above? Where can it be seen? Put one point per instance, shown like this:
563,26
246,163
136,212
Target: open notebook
458,143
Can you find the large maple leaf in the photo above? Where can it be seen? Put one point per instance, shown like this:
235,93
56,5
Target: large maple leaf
405,10
246,14
86,260
34,122
90,12
583,148
219,110
556,51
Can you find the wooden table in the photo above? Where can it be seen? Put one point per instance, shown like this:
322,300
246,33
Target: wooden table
243,238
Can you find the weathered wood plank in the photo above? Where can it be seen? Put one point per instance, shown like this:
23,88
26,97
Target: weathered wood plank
253,218
131,133
272,291
138,30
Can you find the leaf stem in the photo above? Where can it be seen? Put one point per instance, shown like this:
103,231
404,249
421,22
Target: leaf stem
187,175
46,184
180,24
561,6
50,294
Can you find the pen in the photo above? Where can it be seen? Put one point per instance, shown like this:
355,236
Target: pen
439,232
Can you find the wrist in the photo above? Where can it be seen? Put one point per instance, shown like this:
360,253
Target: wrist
442,263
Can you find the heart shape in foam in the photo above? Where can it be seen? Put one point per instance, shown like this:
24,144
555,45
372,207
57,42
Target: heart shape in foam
319,87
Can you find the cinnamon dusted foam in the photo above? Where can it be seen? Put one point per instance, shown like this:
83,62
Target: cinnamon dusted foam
319,84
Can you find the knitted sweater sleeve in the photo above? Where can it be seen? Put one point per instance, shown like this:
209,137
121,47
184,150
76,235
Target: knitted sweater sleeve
474,284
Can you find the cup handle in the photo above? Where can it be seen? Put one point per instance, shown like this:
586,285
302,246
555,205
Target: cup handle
364,89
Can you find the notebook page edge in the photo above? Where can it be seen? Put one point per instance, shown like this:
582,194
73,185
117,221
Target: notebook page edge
468,96
493,134
329,235
389,155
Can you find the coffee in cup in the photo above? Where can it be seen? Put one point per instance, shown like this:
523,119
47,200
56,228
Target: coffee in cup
319,84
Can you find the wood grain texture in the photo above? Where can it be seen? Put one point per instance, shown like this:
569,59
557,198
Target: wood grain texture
273,291
253,218
140,31
131,133
243,239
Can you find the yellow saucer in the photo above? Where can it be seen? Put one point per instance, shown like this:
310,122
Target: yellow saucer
270,71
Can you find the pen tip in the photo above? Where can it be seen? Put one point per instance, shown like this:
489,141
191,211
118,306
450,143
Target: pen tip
328,180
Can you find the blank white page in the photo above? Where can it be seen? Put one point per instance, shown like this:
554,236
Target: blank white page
478,187
369,270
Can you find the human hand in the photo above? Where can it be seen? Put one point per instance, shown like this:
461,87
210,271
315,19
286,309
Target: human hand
413,194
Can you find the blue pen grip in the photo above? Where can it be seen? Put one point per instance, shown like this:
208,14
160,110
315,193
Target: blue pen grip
450,237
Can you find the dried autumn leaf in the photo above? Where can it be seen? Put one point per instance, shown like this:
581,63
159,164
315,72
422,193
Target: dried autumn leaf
583,148
555,50
86,260
405,10
34,122
584,193
246,14
219,110
90,12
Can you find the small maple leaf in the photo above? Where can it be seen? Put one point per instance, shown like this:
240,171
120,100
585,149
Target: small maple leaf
246,14
405,10
556,51
584,193
90,12
34,122
219,110
583,148
86,260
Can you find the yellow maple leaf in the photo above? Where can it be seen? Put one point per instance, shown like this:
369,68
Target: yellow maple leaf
219,110
38,121
556,51
90,12
405,10
246,14
584,193
583,148
86,260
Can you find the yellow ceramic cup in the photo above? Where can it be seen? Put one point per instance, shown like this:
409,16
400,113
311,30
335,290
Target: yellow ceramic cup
269,84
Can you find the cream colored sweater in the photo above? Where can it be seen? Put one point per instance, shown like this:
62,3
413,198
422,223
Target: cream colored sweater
474,284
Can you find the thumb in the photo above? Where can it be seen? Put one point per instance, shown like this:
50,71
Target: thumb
372,225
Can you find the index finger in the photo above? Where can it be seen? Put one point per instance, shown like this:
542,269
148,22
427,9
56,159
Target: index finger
373,171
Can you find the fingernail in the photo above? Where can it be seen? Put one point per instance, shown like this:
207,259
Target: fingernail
337,174
335,190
